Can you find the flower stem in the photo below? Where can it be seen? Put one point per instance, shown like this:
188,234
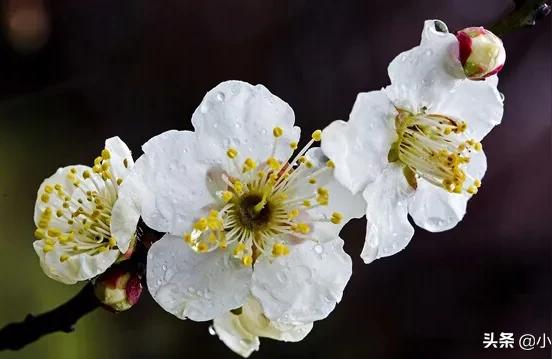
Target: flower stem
15,336
525,14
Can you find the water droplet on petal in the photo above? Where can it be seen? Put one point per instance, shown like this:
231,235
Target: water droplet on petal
164,267
212,330
220,97
203,108
428,52
282,277
318,249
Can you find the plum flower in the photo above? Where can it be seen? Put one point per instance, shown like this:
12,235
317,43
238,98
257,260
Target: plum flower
414,147
241,330
83,226
244,215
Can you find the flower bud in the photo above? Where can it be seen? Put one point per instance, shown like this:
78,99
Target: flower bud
118,289
481,52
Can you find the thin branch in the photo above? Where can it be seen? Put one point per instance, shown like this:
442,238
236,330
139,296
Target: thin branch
525,14
15,336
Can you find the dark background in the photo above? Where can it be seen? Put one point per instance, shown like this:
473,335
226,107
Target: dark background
73,73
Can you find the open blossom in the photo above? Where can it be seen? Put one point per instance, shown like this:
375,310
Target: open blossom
414,147
247,215
241,330
82,224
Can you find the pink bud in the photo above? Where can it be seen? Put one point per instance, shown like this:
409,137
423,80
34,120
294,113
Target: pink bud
481,52
118,289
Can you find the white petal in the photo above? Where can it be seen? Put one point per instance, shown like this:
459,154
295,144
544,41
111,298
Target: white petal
240,115
174,171
387,229
127,210
359,148
199,286
119,153
305,285
341,200
76,268
230,330
422,75
435,209
478,103
254,321
54,202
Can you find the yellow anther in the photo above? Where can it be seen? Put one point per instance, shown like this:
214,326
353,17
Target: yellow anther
48,189
277,132
105,166
227,196
322,191
201,224
249,164
187,238
238,187
301,159
97,168
223,244
212,237
461,127
293,213
63,258
47,248
202,247
214,223
43,223
280,249
330,164
302,228
336,218
231,153
98,160
73,171
447,131
59,213
112,242
58,187
105,154
312,180
477,183
119,181
317,135
478,146
309,164
45,197
273,163
247,261
293,145
39,233
240,247
472,189
125,163
86,174
54,232
323,201
307,203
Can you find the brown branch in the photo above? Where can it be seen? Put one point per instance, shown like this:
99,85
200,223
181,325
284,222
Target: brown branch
15,336
525,14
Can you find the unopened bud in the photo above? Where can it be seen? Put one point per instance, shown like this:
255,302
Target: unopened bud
118,289
482,53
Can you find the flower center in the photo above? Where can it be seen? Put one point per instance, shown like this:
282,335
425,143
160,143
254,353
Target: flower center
78,214
434,147
264,206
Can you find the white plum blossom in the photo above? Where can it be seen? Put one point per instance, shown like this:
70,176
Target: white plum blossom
83,225
245,216
240,331
414,147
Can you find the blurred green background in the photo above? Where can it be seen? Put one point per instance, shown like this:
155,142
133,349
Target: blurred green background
74,73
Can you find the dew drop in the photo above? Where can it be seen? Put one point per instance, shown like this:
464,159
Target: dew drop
220,97
428,52
212,330
164,267
318,249
282,277
203,108
502,98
